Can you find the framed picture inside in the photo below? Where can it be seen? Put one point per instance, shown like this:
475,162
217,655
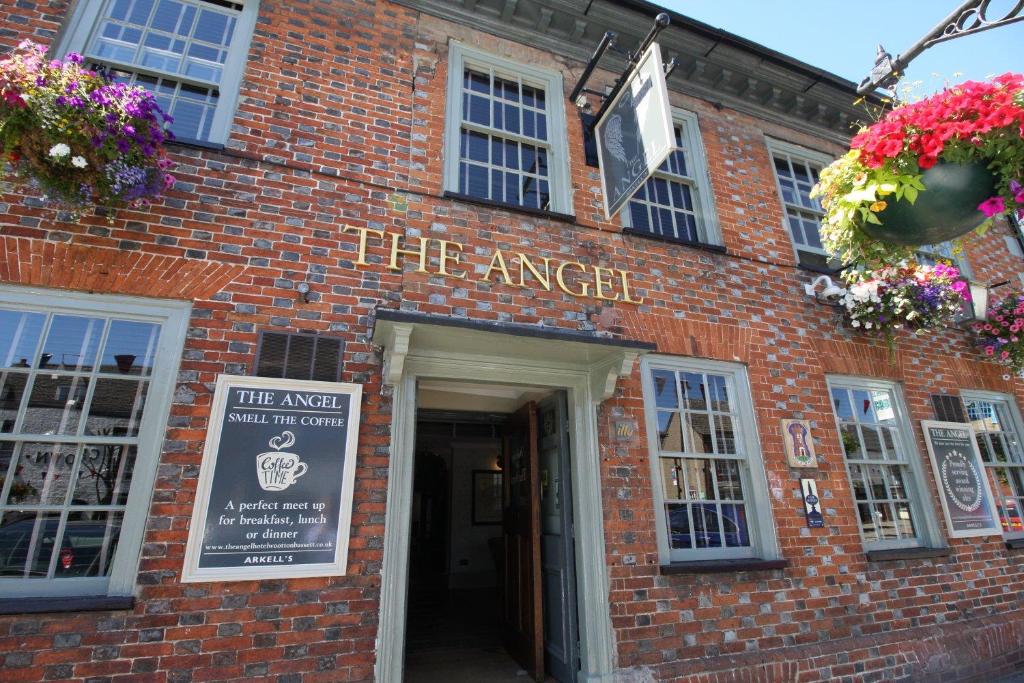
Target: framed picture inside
486,497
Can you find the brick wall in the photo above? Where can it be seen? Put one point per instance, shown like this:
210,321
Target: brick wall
340,123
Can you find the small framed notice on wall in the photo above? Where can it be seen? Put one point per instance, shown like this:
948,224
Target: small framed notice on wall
274,498
963,486
799,446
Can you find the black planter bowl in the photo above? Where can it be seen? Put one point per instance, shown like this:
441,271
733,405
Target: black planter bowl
945,210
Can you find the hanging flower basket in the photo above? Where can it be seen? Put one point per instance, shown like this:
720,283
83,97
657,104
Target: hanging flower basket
908,296
928,172
78,137
1002,335
946,209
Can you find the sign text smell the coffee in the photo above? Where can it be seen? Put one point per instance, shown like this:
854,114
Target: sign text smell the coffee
275,490
960,475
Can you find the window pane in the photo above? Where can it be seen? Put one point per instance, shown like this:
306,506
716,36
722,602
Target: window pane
26,543
729,485
725,439
699,433
130,347
672,478
670,436
841,404
71,343
699,479
88,544
12,389
116,408
55,404
692,387
719,393
19,337
104,474
851,442
734,526
706,526
42,474
664,388
679,526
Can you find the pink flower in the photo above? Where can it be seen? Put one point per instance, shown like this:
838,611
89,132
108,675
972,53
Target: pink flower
993,206
989,350
1004,355
1018,191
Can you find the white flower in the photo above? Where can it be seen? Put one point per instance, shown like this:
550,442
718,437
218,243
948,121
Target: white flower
79,162
867,325
855,323
60,150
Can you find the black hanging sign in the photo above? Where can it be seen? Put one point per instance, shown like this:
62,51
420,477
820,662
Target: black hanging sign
960,475
274,498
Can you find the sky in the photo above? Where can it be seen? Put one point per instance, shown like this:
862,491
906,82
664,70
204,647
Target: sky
842,36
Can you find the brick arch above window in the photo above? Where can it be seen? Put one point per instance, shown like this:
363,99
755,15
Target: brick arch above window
135,273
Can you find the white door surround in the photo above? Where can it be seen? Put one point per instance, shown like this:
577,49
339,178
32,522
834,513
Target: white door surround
417,346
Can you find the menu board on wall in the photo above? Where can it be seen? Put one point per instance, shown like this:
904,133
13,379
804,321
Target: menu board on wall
274,498
960,475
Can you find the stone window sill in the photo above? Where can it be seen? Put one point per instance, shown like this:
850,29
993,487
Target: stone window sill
721,566
906,554
98,603
1014,543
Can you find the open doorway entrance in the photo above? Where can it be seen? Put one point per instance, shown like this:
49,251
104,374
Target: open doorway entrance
491,581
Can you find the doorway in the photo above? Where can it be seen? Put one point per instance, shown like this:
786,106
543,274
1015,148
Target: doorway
491,581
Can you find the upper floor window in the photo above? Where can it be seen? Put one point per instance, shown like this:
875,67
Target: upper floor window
85,386
710,487
884,474
505,132
189,53
998,431
676,202
930,254
796,172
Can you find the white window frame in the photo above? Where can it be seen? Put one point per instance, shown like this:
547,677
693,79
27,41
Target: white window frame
760,521
918,492
1017,423
461,56
85,19
699,182
795,153
173,317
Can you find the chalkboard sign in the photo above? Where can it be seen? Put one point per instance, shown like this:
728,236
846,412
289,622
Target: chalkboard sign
274,498
635,134
960,475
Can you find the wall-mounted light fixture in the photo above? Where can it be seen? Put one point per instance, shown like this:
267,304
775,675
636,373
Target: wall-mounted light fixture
830,293
976,310
303,289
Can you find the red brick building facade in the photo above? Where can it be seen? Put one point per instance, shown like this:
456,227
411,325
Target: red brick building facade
339,133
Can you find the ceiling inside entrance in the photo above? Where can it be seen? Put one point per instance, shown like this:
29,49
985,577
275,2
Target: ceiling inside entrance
470,396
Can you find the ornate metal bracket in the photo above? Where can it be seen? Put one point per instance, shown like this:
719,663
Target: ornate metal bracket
969,18
578,95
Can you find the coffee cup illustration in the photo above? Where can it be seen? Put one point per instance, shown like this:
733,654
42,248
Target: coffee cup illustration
277,469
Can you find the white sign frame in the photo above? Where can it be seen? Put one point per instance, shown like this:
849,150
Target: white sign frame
996,528
191,572
660,111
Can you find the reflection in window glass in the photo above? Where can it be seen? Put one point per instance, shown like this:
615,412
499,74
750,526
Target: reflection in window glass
703,474
76,377
877,464
999,442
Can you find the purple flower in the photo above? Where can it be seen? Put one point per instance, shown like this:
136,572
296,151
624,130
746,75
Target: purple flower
993,206
1018,191
71,87
74,58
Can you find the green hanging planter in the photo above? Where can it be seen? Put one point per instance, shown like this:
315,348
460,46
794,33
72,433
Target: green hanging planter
945,210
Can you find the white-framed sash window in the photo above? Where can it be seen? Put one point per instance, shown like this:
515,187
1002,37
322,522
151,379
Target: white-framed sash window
676,203
882,464
189,53
998,431
85,387
505,134
796,171
709,482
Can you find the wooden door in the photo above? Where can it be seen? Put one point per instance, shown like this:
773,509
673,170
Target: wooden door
521,585
557,542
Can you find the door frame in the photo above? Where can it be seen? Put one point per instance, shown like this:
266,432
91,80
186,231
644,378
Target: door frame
587,372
